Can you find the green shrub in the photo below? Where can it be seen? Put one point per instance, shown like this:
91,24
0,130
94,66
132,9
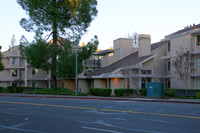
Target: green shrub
170,92
121,92
143,91
1,89
17,89
197,94
101,91
11,89
81,94
54,91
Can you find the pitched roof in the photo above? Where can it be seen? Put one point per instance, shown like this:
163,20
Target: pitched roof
131,59
185,30
158,44
104,52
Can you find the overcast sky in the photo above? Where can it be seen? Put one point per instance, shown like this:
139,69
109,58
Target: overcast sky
115,19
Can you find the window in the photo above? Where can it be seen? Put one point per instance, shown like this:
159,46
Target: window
47,72
48,85
14,60
168,83
168,66
148,79
20,73
14,73
168,47
198,40
143,71
34,84
21,61
198,62
148,71
34,71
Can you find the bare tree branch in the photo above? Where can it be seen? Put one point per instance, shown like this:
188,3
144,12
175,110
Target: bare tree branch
183,65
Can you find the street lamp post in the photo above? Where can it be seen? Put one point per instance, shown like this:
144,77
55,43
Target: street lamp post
76,64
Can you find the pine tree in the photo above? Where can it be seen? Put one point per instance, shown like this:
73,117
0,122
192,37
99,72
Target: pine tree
66,18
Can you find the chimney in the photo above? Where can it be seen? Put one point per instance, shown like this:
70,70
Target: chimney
144,42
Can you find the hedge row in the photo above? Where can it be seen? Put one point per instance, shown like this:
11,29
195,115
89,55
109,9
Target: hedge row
143,91
170,92
57,91
18,89
1,89
100,91
32,90
124,91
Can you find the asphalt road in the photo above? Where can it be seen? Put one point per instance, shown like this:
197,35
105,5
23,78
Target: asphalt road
46,115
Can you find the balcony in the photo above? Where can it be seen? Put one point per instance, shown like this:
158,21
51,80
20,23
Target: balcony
92,63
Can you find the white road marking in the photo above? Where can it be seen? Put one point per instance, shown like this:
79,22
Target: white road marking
19,129
163,121
122,119
101,122
98,129
102,113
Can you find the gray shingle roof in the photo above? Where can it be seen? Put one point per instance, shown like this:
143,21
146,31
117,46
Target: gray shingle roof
131,59
104,52
158,44
185,30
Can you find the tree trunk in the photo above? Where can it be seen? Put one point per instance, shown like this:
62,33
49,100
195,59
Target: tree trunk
54,63
54,58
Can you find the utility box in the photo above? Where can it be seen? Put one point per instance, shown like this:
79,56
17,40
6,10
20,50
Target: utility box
155,89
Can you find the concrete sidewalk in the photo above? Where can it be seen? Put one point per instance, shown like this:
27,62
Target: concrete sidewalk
188,101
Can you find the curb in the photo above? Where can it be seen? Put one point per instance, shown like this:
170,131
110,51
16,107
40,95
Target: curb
103,98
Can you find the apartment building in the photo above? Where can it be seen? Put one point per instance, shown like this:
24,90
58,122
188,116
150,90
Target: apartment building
131,67
18,72
188,39
125,66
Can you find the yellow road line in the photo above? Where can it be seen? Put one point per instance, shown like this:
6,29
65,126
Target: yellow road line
172,115
111,110
72,107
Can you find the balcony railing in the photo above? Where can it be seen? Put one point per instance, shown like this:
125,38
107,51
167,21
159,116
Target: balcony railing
92,63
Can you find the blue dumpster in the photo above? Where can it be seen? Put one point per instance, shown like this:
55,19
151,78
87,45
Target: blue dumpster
155,89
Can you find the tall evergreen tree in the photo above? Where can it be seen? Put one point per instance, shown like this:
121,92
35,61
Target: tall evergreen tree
13,41
1,64
67,18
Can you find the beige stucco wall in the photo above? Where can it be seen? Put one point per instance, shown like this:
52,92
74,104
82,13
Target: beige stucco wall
117,83
159,65
107,60
4,75
123,47
148,65
181,41
84,85
40,84
6,61
70,84
39,75
144,42
99,83
187,42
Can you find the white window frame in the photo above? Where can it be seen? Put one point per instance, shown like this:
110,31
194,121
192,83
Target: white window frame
14,60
